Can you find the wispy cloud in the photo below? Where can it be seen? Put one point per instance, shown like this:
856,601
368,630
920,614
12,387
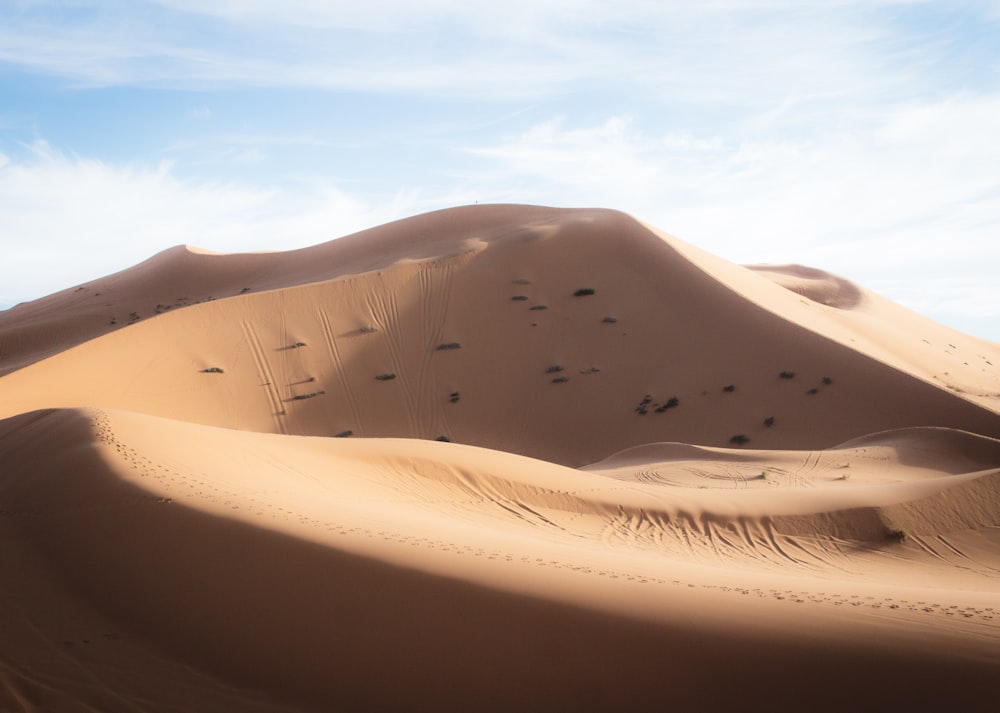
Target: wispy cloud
913,193
725,52
855,135
68,219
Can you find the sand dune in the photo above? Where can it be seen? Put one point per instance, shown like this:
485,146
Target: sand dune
672,481
488,345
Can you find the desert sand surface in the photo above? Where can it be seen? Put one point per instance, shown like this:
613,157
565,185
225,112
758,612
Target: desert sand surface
500,458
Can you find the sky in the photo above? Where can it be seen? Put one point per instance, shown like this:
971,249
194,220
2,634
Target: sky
855,136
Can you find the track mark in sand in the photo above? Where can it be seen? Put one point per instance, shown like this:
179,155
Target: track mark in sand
385,309
772,539
434,280
809,464
331,345
985,619
264,371
941,549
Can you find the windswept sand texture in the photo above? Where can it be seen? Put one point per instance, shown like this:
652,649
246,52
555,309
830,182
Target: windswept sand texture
672,482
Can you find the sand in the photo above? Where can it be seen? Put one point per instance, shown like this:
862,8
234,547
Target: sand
494,458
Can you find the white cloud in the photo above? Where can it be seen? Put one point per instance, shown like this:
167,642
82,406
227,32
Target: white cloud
908,197
69,219
855,135
730,52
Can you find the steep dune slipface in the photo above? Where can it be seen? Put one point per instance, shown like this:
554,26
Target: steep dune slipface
793,484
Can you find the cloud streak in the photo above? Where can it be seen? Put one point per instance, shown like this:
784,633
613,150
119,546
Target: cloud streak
721,52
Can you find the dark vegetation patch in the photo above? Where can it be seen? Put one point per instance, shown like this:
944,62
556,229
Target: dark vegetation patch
386,377
443,439
672,402
555,369
643,406
212,370
729,389
560,380
583,292
769,421
739,439
454,397
448,346
787,375
520,298
812,391
895,533
827,380
536,308
303,397
345,434
609,320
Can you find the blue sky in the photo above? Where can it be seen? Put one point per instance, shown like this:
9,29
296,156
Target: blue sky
857,136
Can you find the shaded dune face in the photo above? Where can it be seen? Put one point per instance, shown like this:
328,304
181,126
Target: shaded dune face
221,486
458,569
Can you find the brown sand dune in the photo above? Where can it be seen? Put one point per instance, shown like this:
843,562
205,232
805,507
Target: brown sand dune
183,276
316,571
461,355
178,531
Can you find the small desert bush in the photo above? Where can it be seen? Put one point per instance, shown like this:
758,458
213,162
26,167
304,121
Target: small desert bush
896,533
672,402
583,292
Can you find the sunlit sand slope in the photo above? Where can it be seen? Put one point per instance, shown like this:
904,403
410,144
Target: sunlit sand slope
672,482
563,335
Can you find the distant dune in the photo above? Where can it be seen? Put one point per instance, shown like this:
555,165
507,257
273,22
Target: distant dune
494,458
